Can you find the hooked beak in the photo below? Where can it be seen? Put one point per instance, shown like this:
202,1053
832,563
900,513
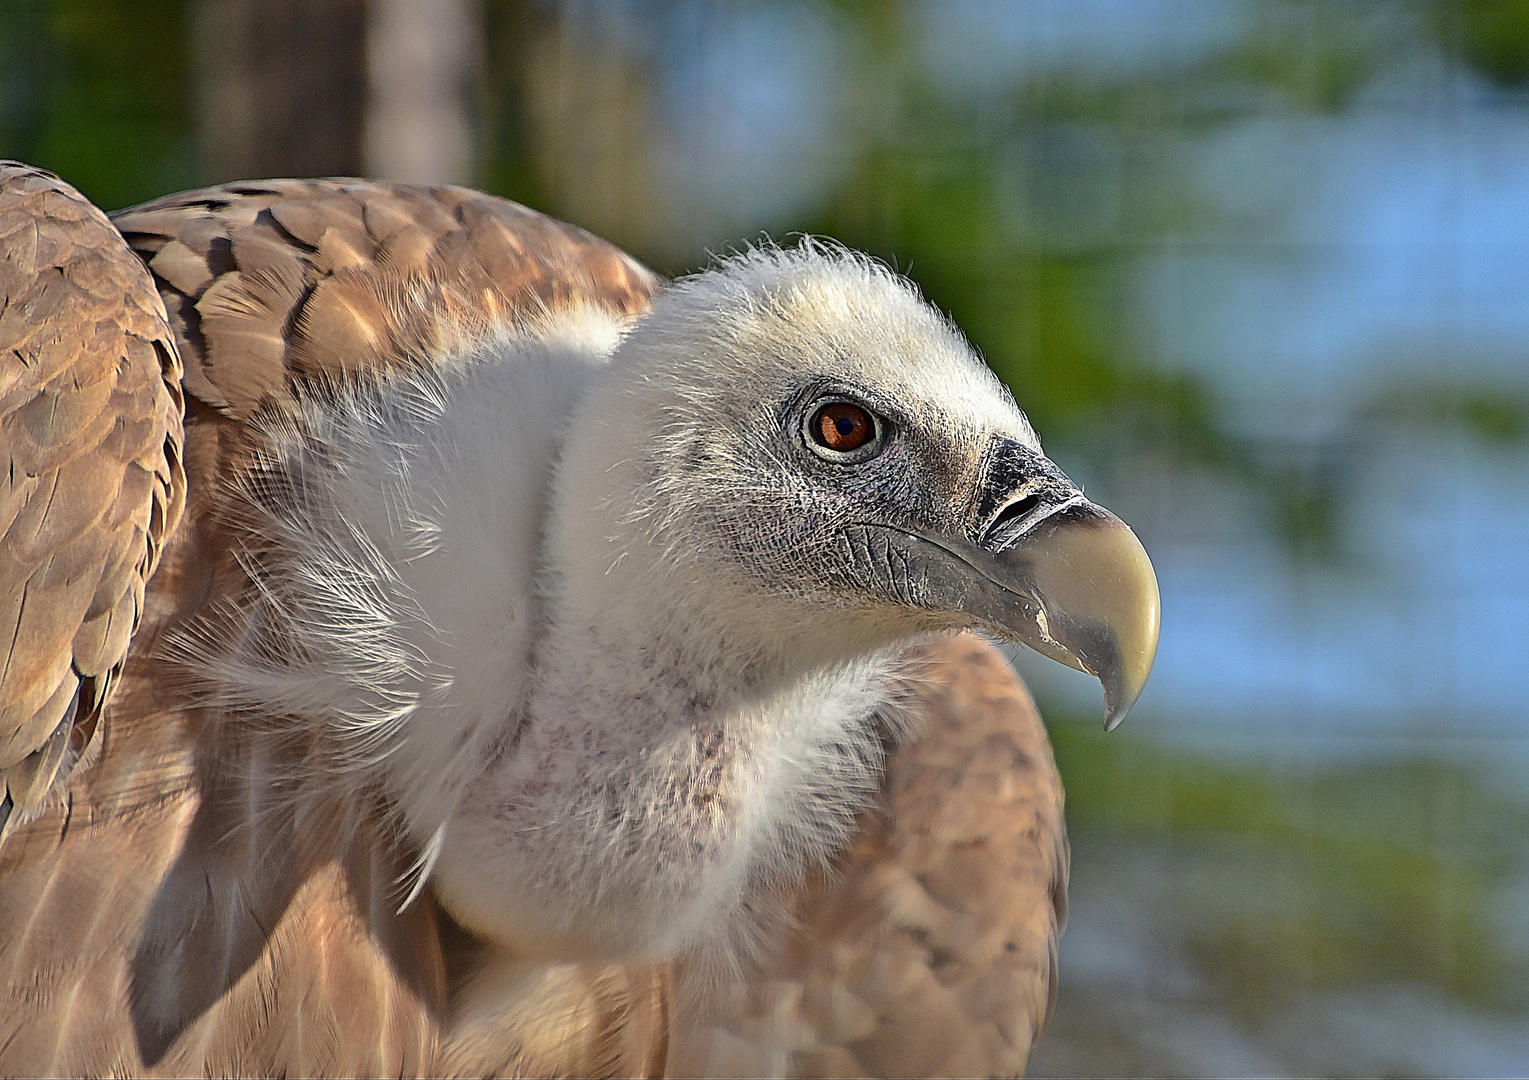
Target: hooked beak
1086,593
1059,573
1095,600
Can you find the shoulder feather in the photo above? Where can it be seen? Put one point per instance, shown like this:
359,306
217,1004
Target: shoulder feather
90,424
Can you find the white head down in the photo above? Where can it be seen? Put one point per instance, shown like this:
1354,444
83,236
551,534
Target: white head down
649,589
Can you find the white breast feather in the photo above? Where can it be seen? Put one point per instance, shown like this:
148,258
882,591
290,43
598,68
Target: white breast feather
606,834
397,611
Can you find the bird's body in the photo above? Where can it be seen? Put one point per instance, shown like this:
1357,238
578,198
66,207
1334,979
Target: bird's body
527,660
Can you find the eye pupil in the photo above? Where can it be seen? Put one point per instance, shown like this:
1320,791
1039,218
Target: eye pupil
843,427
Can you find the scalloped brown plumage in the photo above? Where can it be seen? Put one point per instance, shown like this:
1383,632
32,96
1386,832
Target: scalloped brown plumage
188,901
90,410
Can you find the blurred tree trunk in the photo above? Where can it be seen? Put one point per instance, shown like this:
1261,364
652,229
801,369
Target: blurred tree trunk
281,87
424,59
337,87
586,101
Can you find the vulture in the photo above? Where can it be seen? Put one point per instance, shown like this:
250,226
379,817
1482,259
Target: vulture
439,646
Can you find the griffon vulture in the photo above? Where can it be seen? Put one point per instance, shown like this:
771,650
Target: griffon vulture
439,646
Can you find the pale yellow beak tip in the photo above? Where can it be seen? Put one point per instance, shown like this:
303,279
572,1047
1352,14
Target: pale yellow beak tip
1101,598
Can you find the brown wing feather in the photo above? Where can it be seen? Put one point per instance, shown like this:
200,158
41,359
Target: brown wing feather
90,425
932,950
199,903
273,283
189,913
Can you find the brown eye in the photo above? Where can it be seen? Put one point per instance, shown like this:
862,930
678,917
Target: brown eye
843,427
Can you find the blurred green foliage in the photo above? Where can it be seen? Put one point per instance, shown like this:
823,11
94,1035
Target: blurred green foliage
1321,878
505,159
1493,36
99,92
1315,56
1496,415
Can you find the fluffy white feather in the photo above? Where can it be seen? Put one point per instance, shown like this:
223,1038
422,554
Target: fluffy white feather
403,521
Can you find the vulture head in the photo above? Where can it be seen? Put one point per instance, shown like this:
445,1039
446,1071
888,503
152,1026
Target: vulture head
619,615
797,458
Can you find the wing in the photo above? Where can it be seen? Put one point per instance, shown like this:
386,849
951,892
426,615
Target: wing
90,422
931,951
195,901
272,284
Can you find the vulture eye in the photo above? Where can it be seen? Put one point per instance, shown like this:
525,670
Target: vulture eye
846,430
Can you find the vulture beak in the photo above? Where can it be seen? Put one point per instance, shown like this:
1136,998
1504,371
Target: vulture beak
1093,600
1067,577
1048,567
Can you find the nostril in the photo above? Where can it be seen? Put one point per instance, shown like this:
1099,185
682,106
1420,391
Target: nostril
1011,514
